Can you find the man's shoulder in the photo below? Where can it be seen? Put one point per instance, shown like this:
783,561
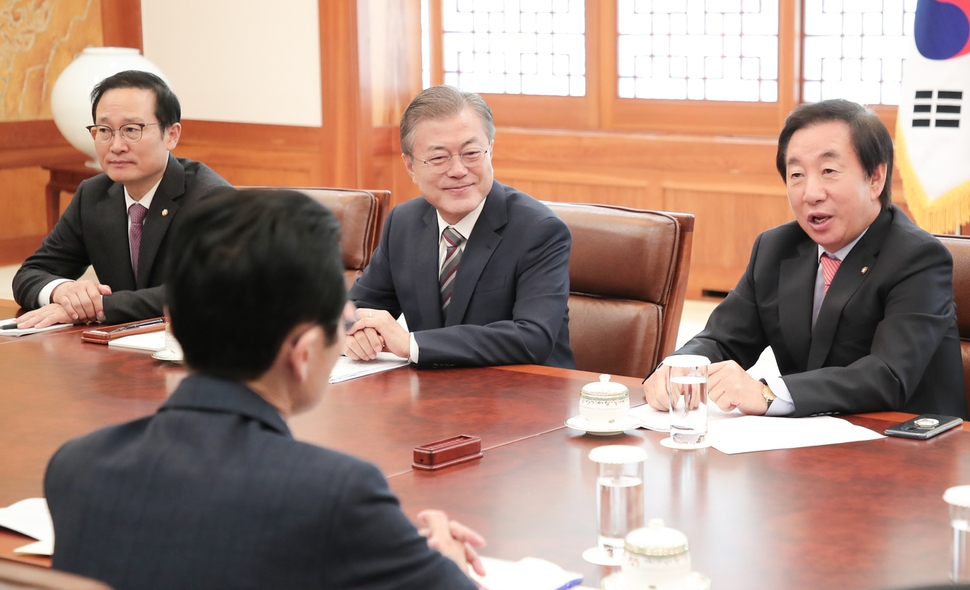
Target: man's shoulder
200,174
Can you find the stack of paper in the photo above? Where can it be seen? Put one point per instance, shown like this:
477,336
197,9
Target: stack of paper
26,331
530,573
347,369
149,341
32,518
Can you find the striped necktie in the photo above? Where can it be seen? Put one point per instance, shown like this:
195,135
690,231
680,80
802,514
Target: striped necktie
137,213
449,268
830,264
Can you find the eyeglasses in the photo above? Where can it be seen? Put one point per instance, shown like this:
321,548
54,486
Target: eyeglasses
469,158
131,132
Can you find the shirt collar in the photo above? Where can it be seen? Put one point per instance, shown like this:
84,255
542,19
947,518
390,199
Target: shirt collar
466,225
145,201
842,253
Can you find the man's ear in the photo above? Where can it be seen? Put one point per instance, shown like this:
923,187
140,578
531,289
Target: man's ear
300,342
877,181
409,166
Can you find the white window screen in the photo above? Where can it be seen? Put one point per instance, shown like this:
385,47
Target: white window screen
698,49
854,49
515,46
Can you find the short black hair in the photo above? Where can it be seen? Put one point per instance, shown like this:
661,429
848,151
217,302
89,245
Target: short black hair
168,111
870,138
246,268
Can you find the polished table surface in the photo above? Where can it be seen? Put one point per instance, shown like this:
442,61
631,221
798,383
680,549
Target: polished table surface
859,515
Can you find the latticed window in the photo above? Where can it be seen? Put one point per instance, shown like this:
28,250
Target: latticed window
698,50
515,46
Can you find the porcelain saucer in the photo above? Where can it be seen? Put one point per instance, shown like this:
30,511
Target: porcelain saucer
619,581
168,356
628,422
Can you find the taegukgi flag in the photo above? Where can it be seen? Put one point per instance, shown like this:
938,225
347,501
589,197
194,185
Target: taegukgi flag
932,129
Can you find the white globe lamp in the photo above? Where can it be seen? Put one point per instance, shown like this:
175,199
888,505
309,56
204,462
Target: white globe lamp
71,95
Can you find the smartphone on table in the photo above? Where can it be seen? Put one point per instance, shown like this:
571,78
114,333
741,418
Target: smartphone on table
924,426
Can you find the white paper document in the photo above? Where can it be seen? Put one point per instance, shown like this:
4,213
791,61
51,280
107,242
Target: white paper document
733,432
347,369
32,518
530,573
27,331
148,341
765,433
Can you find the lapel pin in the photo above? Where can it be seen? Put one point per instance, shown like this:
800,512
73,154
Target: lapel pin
865,269
165,213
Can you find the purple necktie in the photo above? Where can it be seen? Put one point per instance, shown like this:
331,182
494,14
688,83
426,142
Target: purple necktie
137,213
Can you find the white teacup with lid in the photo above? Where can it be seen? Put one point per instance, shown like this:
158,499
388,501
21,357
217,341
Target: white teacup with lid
604,402
656,558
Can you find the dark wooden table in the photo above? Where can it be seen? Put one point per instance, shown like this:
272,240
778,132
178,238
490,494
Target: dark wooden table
860,515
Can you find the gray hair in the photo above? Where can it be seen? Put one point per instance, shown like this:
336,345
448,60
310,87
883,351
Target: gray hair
441,102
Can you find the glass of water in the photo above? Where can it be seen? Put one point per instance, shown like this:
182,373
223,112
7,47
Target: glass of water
619,500
687,395
959,500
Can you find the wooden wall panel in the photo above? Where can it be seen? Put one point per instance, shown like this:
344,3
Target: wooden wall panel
22,224
725,226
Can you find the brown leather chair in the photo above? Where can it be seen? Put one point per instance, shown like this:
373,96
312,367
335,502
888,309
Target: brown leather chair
16,575
628,277
959,247
361,215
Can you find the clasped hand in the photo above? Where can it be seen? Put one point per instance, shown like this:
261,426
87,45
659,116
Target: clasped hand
728,385
376,330
71,302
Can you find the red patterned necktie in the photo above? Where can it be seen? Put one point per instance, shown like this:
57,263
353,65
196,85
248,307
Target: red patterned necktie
446,279
830,264
137,213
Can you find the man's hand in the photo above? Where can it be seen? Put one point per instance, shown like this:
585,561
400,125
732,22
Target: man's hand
43,317
376,330
730,386
453,539
655,389
81,300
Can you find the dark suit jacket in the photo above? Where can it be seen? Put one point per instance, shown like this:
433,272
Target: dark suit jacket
509,303
214,492
886,335
94,231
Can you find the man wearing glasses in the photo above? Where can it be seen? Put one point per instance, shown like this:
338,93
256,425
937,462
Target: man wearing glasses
479,270
118,221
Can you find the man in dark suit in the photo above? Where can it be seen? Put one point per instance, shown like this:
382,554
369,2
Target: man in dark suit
855,301
213,491
479,270
118,221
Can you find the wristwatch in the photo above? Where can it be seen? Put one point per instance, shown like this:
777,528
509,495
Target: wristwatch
767,393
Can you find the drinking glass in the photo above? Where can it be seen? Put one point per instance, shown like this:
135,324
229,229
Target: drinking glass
959,500
619,500
687,395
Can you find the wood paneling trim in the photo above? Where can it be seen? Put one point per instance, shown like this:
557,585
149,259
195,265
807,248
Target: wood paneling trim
251,135
560,150
121,23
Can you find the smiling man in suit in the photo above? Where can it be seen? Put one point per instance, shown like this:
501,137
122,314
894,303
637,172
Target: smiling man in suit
479,270
118,221
855,301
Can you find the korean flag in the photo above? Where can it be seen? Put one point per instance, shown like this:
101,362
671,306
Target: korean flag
932,128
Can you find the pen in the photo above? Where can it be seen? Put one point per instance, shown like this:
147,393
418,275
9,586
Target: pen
139,325
12,326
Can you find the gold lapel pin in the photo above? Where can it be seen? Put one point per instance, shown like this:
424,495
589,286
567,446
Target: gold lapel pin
165,213
865,269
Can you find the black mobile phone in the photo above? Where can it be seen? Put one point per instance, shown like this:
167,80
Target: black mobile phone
924,426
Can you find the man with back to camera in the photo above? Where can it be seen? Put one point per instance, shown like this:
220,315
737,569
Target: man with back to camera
118,221
855,300
213,491
479,270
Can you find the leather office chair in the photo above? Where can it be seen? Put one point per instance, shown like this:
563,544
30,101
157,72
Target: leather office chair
16,575
628,278
361,215
959,247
